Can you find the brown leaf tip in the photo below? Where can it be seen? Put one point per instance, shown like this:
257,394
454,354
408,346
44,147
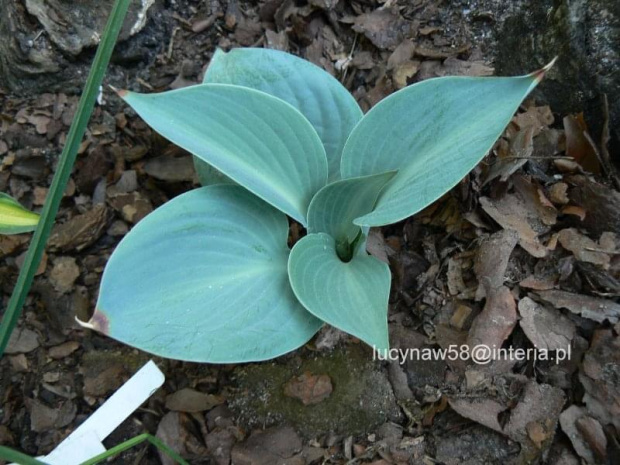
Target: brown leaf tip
120,92
98,322
540,74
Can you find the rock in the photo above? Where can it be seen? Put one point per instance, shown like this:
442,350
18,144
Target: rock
127,183
91,168
361,399
118,228
584,34
44,418
171,169
31,61
19,363
274,446
308,388
132,206
473,446
64,273
219,444
105,371
21,258
190,400
73,27
22,341
174,431
63,350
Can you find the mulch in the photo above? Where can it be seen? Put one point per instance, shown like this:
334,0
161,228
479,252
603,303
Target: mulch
522,254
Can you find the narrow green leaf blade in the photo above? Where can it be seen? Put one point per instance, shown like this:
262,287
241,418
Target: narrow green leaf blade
434,133
63,170
204,278
259,141
351,296
336,205
14,218
326,103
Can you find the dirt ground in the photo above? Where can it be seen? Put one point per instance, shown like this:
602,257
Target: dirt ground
523,253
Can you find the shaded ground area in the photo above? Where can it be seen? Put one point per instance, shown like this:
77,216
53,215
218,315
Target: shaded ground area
523,253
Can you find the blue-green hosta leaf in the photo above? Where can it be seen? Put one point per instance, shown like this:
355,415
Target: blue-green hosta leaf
208,175
326,103
14,218
351,296
336,205
204,278
258,140
433,133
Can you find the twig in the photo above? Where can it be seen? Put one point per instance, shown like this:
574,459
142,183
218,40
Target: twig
535,158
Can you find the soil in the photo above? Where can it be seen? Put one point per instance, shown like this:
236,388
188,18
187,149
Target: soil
523,252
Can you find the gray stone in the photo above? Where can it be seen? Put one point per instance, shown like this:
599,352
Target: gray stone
362,398
585,34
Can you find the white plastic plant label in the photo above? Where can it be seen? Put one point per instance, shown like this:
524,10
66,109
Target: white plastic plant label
86,441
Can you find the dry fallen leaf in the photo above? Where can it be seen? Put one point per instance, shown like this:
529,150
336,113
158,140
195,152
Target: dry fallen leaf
483,411
585,249
537,118
557,193
512,214
585,433
496,321
507,163
539,403
599,376
593,308
492,260
546,328
578,146
385,27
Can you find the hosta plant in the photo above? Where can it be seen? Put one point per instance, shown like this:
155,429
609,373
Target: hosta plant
209,276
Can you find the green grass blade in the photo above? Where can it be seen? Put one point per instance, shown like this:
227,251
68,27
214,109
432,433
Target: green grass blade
11,455
61,177
134,442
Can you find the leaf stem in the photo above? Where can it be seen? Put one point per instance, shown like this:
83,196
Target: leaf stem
6,453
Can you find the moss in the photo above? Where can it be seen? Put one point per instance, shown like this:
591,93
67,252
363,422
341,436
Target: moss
94,362
362,397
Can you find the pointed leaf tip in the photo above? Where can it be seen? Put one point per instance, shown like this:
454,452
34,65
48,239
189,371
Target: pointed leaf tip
120,92
540,74
98,322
